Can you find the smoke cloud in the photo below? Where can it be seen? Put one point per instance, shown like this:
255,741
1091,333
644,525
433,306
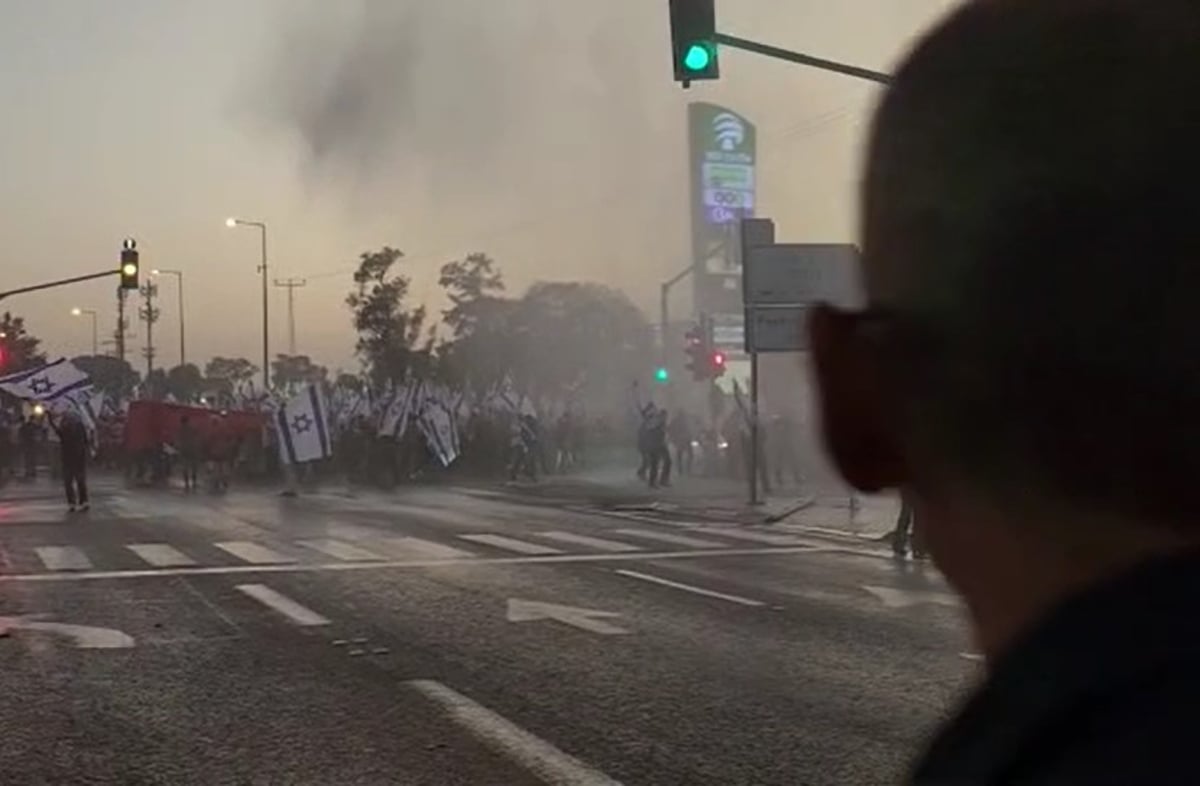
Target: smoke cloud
477,104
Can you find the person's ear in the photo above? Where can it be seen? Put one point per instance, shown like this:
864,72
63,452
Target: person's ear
854,401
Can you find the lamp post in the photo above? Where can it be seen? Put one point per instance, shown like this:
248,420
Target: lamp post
179,281
78,312
262,268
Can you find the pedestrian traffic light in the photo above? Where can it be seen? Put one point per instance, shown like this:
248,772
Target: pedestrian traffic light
661,375
694,40
129,264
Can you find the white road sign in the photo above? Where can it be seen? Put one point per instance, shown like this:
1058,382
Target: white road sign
799,273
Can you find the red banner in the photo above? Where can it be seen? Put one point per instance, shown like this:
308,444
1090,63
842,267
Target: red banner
149,424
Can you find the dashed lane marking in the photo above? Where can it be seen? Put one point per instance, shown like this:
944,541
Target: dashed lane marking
283,604
669,537
341,550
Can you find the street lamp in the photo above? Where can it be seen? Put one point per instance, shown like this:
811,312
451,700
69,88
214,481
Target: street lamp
262,268
78,312
179,280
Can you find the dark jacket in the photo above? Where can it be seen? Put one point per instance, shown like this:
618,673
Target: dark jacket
73,442
1105,690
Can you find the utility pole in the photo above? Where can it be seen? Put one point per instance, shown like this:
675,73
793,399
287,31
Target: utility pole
149,315
120,334
291,284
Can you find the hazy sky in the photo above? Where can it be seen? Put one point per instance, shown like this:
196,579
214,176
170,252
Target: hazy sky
547,133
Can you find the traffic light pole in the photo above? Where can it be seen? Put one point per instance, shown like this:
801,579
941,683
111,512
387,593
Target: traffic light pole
807,60
664,313
62,282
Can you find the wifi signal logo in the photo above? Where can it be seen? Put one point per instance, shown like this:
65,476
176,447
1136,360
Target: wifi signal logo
729,130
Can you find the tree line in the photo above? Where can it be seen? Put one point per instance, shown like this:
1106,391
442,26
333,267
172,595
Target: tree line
559,339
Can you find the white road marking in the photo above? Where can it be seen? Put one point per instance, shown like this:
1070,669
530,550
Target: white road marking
63,558
600,544
585,619
284,605
510,544
334,567
750,535
900,599
255,553
428,549
85,637
670,537
972,656
341,550
543,760
690,588
160,555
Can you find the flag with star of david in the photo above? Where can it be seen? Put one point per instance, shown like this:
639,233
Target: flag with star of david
48,382
302,425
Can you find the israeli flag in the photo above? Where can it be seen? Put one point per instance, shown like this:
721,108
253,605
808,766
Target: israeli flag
303,427
48,382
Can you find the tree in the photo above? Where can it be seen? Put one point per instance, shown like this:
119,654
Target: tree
114,376
481,350
579,337
348,381
18,349
224,374
293,370
155,385
185,383
389,333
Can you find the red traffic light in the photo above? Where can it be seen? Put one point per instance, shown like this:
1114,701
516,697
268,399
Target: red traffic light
718,359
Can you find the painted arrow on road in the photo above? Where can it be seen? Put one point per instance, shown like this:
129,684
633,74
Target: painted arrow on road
901,599
85,637
585,619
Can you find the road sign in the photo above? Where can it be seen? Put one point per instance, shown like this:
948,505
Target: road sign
776,329
799,273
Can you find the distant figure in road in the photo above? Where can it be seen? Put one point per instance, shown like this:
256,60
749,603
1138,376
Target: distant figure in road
190,448
1025,371
27,434
73,448
681,436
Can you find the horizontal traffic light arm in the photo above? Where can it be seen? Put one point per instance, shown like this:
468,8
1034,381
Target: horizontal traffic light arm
62,282
808,60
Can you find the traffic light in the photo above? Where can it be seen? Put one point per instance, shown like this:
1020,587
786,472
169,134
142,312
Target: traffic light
697,352
717,364
694,40
661,375
129,264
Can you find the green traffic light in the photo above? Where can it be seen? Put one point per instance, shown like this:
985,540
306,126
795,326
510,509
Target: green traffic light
697,57
661,375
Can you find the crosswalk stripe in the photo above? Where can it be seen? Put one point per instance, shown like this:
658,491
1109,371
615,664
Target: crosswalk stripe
63,558
755,537
428,549
510,544
338,549
160,555
599,544
254,553
668,537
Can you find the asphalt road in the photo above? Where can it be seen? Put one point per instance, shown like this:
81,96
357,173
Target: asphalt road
455,636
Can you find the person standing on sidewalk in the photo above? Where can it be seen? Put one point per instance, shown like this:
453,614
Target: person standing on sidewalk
187,442
74,446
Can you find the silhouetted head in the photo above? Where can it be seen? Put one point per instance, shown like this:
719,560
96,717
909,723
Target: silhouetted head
1031,244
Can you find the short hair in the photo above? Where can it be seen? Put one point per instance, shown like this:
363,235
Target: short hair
1031,206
